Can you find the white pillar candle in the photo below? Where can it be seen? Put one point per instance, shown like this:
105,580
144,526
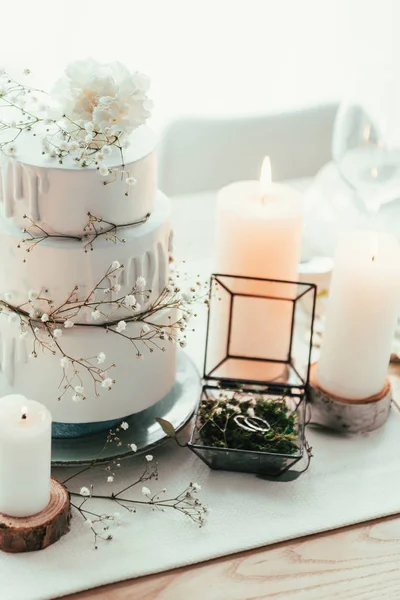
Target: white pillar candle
258,234
361,315
25,456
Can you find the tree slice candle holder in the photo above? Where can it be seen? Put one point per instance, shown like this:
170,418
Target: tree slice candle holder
25,534
348,416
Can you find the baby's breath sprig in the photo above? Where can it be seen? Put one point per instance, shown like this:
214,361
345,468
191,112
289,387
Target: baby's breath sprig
84,502
94,228
163,321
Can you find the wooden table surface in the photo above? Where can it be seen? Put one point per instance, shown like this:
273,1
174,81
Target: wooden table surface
361,562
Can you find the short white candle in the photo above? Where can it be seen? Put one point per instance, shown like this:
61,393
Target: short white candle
25,456
361,315
258,234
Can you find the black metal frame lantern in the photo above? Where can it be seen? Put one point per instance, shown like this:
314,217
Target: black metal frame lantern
259,341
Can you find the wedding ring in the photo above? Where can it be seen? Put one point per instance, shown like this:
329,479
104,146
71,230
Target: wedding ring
251,423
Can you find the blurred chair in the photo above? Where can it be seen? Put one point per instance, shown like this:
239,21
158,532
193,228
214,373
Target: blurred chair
200,154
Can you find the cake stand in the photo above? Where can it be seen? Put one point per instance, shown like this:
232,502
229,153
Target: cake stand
144,431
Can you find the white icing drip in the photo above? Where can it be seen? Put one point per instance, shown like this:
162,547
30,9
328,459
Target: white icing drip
8,189
8,362
162,266
17,181
22,350
33,193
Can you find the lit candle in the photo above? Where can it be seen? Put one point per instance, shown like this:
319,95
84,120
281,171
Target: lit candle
25,456
259,228
258,234
361,315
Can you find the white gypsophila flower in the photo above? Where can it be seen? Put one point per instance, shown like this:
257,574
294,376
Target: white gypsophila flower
110,479
10,149
101,357
115,265
74,147
68,324
65,362
107,96
120,327
33,313
96,314
88,523
145,491
84,491
57,333
44,318
131,180
140,283
63,145
32,295
149,457
8,296
79,389
36,330
104,171
106,150
196,487
107,383
77,398
133,447
237,410
13,318
116,287
124,425
250,412
130,300
89,138
187,296
218,410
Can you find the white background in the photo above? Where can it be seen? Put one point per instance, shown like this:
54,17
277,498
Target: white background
212,56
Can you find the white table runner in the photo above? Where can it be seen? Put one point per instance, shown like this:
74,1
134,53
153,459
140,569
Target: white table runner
350,480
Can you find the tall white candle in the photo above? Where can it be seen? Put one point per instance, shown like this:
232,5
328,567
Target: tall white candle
25,456
258,234
361,315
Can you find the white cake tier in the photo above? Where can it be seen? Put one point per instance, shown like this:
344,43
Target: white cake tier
59,196
55,266
139,383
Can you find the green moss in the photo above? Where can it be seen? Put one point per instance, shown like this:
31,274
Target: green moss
217,427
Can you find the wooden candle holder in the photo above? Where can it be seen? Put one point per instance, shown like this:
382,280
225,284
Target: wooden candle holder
348,416
25,534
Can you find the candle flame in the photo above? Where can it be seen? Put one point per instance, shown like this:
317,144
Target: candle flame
24,411
266,176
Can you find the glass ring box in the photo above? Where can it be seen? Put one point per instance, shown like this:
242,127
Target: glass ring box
252,411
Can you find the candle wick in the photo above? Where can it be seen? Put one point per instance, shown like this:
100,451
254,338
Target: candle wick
373,259
23,416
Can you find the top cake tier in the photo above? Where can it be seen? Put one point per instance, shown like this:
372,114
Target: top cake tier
58,197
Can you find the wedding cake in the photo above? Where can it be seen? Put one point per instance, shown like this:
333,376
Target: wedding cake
90,319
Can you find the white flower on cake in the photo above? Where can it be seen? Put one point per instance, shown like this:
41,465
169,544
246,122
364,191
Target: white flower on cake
149,457
9,149
120,327
65,362
96,314
130,300
84,491
115,265
110,479
32,295
77,398
101,358
44,318
133,447
79,389
104,98
140,283
145,491
106,151
104,171
107,383
116,287
57,333
131,180
68,324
